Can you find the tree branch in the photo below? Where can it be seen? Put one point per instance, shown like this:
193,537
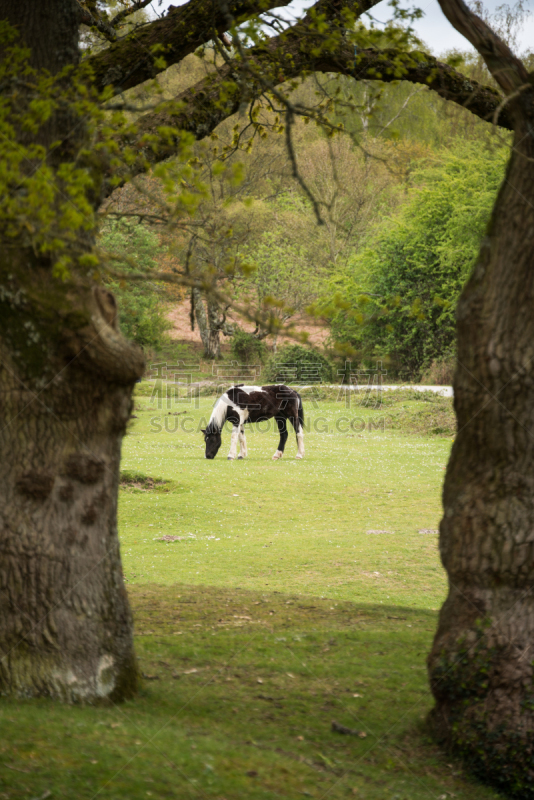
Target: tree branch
508,70
129,62
136,6
85,17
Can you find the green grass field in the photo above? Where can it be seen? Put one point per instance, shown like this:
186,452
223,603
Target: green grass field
296,594
301,526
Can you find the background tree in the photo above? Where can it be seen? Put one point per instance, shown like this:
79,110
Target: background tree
284,280
402,288
347,185
213,245
232,183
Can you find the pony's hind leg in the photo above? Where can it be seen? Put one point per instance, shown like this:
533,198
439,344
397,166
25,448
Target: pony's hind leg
299,430
300,442
282,428
242,443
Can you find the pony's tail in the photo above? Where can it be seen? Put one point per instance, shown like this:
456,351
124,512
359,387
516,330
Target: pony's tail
301,412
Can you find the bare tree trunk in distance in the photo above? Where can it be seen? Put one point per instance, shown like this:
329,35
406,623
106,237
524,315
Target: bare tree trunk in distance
214,335
481,664
208,325
66,380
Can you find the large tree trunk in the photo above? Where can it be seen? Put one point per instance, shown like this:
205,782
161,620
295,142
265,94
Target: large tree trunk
65,623
481,664
66,380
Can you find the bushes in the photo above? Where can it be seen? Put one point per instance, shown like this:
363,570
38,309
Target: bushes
414,269
296,363
440,372
246,348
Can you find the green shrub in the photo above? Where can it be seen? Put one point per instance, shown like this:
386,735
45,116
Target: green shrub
296,364
246,348
400,293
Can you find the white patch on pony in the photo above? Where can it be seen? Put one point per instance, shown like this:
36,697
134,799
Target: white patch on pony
300,443
233,442
243,412
277,455
218,415
249,389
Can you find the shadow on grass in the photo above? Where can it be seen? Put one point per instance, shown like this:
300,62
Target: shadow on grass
238,699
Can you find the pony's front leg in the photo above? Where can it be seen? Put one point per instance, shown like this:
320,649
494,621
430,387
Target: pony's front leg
233,443
300,443
282,428
242,443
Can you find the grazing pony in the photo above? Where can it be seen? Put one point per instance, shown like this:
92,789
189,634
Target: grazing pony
241,405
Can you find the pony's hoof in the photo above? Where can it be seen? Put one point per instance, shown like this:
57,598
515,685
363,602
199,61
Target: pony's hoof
299,456
277,455
240,458
230,458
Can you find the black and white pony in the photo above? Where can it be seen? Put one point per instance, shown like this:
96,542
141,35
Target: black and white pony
241,405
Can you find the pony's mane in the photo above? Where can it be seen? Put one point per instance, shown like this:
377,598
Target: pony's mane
218,416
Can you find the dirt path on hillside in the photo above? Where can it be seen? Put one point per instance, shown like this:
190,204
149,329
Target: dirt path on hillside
181,330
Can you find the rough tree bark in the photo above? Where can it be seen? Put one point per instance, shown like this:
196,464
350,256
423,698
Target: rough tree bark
481,664
66,379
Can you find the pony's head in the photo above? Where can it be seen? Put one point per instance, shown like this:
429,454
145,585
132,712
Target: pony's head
213,442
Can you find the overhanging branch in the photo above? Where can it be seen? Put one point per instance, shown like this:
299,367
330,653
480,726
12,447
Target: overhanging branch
93,20
130,61
125,12
204,106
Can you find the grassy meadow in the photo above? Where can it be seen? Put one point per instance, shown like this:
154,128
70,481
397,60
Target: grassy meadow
291,525
271,600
